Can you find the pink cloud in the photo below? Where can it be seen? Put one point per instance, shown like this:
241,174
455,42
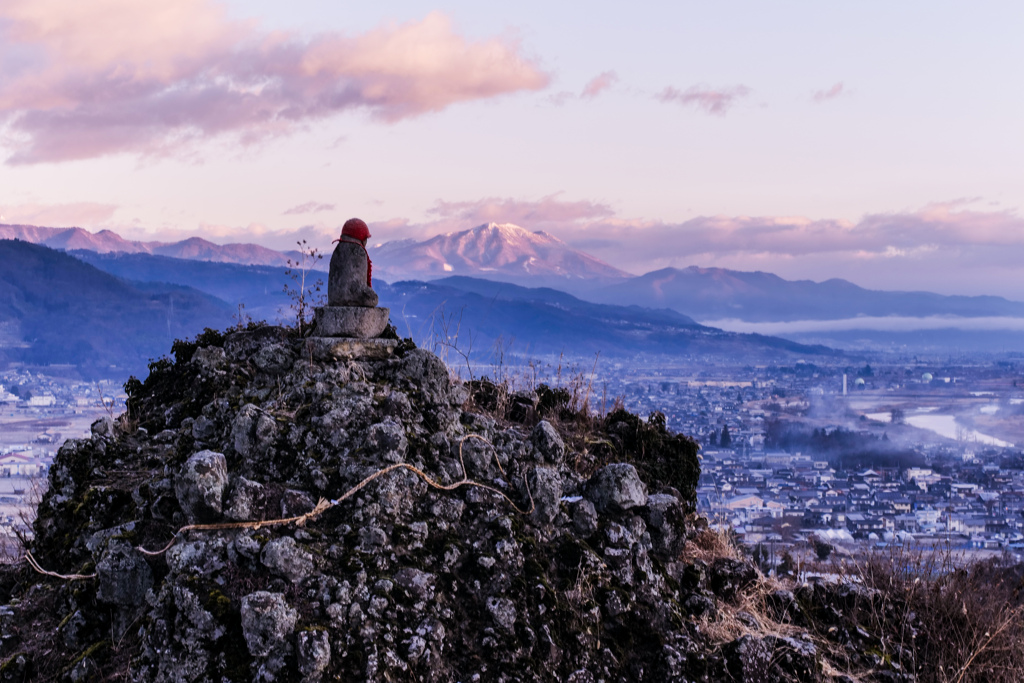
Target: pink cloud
950,230
830,94
938,227
108,76
545,212
74,214
309,207
599,84
947,247
712,101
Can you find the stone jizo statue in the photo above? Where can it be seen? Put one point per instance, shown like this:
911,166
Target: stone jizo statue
349,282
351,311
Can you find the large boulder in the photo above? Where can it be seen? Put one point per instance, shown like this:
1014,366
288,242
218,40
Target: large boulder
548,443
616,488
314,653
546,489
253,432
267,622
287,559
123,575
748,659
200,486
423,371
245,501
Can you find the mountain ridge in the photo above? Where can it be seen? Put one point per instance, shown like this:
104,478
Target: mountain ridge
504,252
757,296
549,322
542,321
61,310
108,241
494,251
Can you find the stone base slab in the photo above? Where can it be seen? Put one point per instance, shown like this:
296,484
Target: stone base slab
358,322
335,348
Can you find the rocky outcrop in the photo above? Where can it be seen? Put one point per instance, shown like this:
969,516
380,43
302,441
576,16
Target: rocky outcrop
200,485
569,565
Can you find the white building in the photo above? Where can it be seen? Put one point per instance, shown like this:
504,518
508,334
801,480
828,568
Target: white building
19,465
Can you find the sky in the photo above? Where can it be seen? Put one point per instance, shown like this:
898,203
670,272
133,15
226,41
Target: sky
875,141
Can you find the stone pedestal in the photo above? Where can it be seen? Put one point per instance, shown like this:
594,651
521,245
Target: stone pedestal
356,322
337,348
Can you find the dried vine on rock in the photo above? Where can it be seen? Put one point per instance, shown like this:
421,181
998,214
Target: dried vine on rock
322,506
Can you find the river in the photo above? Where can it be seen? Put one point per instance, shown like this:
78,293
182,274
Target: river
943,425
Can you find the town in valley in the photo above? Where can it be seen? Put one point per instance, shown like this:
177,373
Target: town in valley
795,455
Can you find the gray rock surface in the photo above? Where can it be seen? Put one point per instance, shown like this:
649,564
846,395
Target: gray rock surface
664,519
504,613
401,580
253,432
103,427
350,321
584,518
267,622
346,283
200,486
748,659
425,372
546,487
387,438
210,358
123,575
616,487
245,500
295,503
314,653
417,584
286,559
548,443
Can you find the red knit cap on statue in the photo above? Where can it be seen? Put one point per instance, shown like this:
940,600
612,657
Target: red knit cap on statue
355,228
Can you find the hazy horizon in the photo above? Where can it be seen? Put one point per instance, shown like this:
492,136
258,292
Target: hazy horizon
876,143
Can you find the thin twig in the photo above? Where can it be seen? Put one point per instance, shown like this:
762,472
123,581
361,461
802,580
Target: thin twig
1007,620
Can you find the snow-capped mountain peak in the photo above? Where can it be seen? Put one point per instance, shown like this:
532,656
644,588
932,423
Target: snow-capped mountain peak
500,251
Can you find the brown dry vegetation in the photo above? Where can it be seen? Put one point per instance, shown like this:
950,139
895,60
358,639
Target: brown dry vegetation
918,611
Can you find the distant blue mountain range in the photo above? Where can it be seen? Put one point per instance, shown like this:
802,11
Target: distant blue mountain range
113,312
717,294
55,309
610,312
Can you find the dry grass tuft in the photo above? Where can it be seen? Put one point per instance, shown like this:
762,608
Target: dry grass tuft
749,615
964,621
710,544
936,614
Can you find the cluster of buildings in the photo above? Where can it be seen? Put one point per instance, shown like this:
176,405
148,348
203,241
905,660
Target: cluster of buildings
703,402
965,493
976,500
962,492
22,389
23,472
37,414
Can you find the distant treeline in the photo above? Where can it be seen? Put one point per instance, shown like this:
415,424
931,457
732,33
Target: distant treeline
841,447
